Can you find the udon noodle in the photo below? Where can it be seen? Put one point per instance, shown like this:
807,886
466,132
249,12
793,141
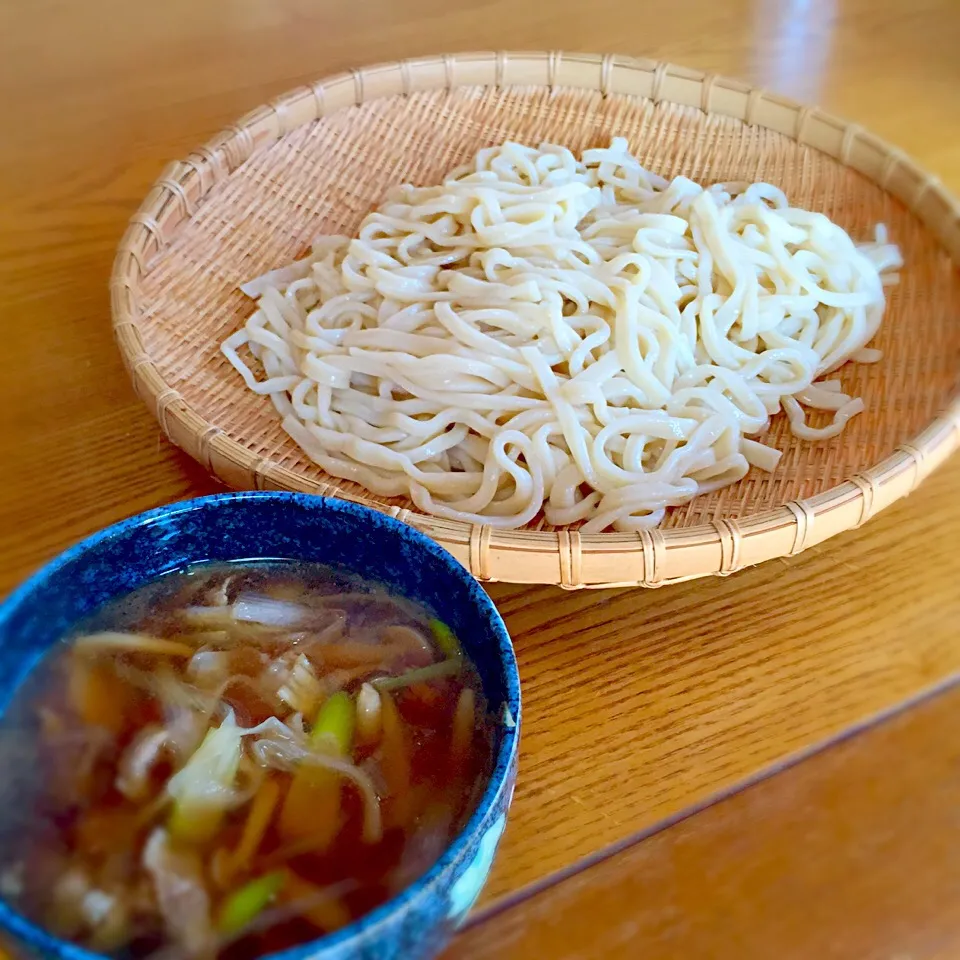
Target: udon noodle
580,340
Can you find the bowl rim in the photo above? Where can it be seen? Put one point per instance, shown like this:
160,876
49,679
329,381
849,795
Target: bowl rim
505,759
651,557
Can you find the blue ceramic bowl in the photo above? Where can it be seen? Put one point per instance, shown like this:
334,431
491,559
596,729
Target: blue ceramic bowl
234,526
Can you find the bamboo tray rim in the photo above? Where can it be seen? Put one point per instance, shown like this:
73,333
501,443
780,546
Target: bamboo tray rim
651,557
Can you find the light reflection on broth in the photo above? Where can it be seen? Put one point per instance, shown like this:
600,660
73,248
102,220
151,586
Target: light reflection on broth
235,759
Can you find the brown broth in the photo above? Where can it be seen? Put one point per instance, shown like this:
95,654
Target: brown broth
73,858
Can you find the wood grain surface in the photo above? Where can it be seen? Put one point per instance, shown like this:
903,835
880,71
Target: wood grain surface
638,704
851,854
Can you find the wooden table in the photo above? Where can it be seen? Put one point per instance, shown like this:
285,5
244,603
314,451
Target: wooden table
634,831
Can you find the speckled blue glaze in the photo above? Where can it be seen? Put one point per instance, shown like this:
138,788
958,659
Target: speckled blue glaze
232,526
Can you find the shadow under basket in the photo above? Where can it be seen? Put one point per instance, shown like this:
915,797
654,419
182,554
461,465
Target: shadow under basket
319,158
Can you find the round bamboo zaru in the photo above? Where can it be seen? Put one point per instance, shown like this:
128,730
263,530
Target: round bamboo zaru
317,159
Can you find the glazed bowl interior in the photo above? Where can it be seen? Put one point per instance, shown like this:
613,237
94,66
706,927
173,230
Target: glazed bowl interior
275,525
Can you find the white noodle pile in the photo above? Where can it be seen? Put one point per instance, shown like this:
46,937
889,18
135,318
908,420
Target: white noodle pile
580,338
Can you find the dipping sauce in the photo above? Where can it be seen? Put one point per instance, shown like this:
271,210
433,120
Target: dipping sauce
235,759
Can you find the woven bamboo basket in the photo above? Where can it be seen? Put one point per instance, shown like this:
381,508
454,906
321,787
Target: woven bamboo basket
317,159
